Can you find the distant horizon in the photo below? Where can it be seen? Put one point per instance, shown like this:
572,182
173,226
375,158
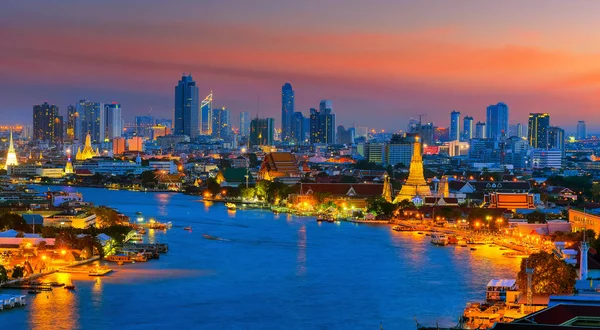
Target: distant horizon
377,69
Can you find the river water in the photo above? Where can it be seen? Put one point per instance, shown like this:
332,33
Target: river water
269,272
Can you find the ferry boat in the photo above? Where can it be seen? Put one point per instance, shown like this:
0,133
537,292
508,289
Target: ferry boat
325,217
99,271
119,258
452,240
439,239
142,231
230,206
515,254
188,228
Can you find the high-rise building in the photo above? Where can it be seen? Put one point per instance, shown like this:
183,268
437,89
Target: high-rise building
262,131
59,128
428,134
521,131
71,120
245,123
581,130
143,124
468,130
44,119
454,126
206,111
556,139
497,121
168,123
221,126
89,119
287,111
322,124
538,130
118,145
345,136
480,130
113,121
400,149
186,108
297,128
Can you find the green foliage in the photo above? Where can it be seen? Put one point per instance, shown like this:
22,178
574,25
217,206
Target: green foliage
3,274
550,276
321,197
536,217
348,179
148,178
380,206
366,165
105,216
213,186
13,221
253,160
248,193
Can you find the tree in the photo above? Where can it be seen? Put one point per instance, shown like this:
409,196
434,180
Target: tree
248,193
348,179
380,206
213,186
14,221
148,178
536,217
106,217
3,274
550,275
17,272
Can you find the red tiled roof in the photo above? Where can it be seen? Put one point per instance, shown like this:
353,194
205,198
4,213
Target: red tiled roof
362,189
83,172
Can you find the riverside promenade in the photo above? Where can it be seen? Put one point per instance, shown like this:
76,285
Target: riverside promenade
48,272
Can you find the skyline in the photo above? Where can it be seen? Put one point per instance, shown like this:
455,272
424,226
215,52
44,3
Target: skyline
411,60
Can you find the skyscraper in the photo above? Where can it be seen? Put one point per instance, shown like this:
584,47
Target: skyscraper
468,129
89,119
287,111
206,111
454,126
345,136
59,129
262,131
44,120
322,124
538,130
221,125
186,108
113,121
245,123
71,112
297,128
143,124
497,121
480,130
556,138
581,130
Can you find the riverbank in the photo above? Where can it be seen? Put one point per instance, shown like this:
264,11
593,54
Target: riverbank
48,272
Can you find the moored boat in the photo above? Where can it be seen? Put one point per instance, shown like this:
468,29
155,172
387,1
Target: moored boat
188,228
439,239
231,206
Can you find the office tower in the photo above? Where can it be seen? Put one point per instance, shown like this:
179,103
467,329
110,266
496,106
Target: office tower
516,152
245,123
454,134
206,111
497,121
413,125
468,128
556,138
89,119
287,111
306,129
427,134
168,123
71,120
480,130
44,119
520,131
113,121
59,127
297,128
27,132
143,124
221,126
186,108
262,131
400,150
440,134
538,130
581,130
322,123
345,136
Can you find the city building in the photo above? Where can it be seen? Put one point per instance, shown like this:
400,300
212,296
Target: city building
168,166
581,130
468,129
454,134
262,131
415,188
113,121
136,143
59,129
142,123
377,152
186,108
546,158
345,136
221,125
497,121
537,129
118,145
282,166
298,128
400,150
71,121
349,195
457,148
556,138
480,130
287,111
89,120
11,155
427,134
206,113
44,120
322,124
245,123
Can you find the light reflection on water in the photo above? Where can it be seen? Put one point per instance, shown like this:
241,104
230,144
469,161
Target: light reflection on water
265,273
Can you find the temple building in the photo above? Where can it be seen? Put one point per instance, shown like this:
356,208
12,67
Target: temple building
388,191
282,166
87,152
415,186
11,156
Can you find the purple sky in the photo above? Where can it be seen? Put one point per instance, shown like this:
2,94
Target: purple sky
380,61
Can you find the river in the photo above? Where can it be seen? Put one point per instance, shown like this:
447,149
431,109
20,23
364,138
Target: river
269,272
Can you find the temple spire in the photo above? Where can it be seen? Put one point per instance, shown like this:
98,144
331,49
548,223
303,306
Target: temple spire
11,156
387,188
415,184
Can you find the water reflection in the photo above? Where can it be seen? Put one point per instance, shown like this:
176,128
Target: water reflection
57,309
301,258
97,293
163,201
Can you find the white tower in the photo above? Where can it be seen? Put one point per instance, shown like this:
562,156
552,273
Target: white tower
583,262
11,156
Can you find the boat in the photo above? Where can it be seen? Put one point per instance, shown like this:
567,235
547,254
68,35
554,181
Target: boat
119,258
452,240
463,245
515,254
230,206
188,228
420,233
439,239
99,271
138,213
70,286
325,217
142,231
473,249
56,284
34,291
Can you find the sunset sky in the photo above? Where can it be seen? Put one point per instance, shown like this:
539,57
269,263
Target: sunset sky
380,61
